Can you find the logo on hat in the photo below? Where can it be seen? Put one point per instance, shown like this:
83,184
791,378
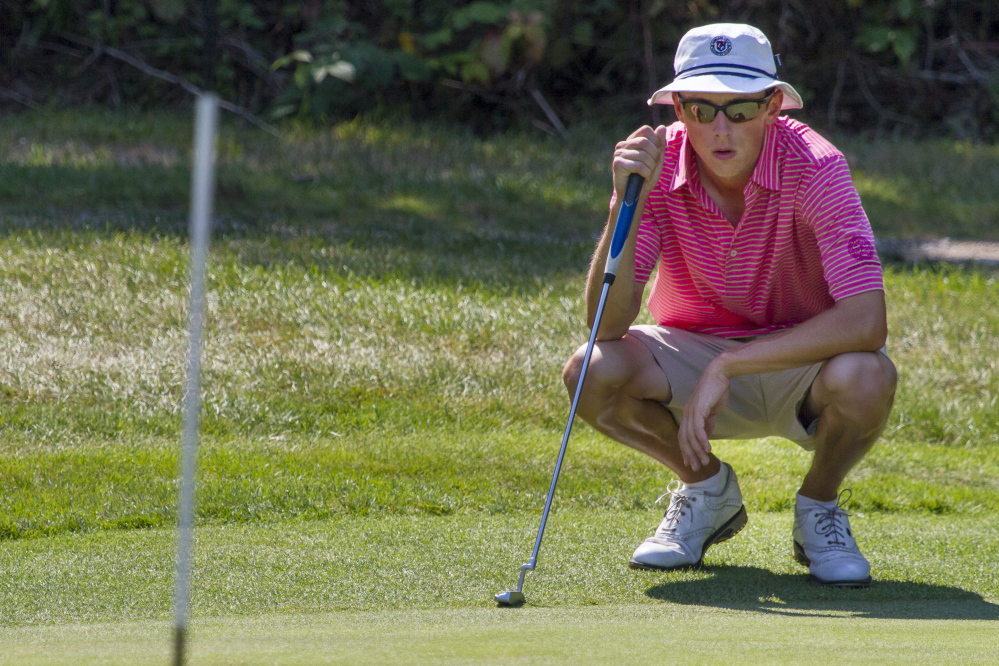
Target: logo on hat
721,45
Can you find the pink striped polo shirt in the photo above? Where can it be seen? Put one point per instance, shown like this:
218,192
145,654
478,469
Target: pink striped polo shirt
803,243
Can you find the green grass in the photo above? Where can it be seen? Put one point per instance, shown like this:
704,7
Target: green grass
412,590
629,635
438,472
329,391
131,172
928,189
389,308
404,562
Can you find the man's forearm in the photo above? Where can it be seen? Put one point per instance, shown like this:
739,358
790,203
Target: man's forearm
854,324
623,303
640,154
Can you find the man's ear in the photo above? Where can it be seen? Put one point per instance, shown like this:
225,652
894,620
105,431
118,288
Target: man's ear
773,107
677,108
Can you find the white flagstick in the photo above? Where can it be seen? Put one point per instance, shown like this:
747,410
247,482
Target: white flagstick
202,187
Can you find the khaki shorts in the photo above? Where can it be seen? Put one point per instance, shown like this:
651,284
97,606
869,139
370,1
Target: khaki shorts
766,405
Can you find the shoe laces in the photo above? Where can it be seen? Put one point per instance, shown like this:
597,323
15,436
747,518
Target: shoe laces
831,521
677,503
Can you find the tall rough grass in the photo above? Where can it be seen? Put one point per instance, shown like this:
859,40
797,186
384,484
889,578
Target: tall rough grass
389,308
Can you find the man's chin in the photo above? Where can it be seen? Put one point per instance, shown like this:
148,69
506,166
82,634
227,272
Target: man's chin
724,168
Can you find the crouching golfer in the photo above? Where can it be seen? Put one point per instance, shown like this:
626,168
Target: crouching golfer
769,303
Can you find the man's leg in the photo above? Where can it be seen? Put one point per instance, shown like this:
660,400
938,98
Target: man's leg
623,398
851,397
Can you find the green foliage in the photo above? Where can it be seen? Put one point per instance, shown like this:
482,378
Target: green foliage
478,43
903,66
892,25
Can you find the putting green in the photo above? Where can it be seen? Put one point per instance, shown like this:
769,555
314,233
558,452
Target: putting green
606,634
418,589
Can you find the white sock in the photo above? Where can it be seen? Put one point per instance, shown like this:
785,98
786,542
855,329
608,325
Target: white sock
712,484
806,502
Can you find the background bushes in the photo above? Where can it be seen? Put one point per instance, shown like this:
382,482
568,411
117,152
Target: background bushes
911,67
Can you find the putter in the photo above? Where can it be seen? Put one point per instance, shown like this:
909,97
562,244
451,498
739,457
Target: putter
621,229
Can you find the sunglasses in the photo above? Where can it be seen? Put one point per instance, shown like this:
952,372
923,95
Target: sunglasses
738,111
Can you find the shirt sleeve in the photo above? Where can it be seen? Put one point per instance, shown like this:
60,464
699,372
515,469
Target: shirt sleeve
648,246
832,207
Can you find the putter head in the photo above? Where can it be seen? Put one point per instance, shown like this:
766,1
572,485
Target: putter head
510,598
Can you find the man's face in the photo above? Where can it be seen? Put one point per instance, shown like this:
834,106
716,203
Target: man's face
727,149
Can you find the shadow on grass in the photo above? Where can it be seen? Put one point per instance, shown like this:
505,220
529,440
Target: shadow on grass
420,203
406,249
760,590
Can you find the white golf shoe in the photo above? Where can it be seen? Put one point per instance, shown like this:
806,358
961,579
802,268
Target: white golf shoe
824,543
694,521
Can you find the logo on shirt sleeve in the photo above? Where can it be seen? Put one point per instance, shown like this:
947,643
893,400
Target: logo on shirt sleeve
860,247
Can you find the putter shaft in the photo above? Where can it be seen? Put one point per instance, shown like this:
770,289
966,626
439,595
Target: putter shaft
622,227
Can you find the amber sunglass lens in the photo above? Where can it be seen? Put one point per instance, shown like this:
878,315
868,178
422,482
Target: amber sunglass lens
740,113
737,112
699,112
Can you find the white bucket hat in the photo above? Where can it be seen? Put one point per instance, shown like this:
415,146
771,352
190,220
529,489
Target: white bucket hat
725,58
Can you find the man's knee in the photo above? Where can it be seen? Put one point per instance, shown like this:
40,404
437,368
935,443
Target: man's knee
573,369
624,366
863,379
599,389
605,368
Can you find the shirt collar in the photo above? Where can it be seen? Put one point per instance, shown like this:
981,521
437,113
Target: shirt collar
766,174
684,164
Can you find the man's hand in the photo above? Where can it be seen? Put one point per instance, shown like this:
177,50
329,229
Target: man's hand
641,153
707,400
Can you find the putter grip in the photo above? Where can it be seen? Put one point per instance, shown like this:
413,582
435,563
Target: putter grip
623,226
